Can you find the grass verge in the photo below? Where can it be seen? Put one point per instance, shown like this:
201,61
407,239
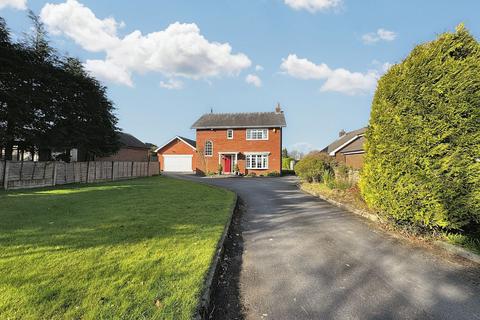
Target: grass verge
353,198
132,249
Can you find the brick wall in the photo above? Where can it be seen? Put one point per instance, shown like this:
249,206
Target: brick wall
128,154
354,161
177,147
240,144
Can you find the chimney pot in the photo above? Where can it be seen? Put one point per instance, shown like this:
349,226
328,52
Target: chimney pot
342,133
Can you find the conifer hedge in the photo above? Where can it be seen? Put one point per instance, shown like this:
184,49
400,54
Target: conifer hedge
422,162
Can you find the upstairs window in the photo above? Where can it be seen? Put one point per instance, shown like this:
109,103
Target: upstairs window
257,134
230,134
208,148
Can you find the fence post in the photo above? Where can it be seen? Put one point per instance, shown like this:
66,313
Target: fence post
113,166
54,180
131,172
88,171
5,175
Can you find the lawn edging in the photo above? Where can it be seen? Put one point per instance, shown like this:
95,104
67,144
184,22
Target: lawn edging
205,297
450,248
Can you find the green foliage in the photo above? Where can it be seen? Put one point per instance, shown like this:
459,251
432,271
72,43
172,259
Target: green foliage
48,102
219,169
273,174
313,166
251,174
286,162
423,141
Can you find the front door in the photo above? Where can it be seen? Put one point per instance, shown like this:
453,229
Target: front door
227,167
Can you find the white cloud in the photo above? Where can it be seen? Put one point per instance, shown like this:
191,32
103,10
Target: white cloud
253,80
304,69
178,51
258,68
338,80
172,84
15,4
313,5
380,34
106,70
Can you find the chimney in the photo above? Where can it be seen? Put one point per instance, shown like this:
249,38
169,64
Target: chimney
341,133
278,109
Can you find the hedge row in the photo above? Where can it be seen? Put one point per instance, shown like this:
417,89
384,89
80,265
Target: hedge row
422,162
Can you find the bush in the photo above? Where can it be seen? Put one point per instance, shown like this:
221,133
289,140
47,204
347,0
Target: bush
313,166
286,163
251,174
423,141
273,174
219,169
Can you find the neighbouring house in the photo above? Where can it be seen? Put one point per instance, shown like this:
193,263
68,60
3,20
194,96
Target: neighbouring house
131,149
348,148
178,154
249,142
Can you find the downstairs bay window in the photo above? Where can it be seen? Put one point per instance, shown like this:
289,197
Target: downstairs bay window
256,160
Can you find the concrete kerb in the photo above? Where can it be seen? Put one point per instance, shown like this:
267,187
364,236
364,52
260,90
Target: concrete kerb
204,303
452,249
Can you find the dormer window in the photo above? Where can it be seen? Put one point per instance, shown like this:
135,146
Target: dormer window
257,134
230,134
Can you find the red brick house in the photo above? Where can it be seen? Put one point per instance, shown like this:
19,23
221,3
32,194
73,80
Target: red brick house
348,148
131,149
251,142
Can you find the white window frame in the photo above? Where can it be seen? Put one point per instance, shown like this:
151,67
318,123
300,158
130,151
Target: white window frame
256,161
230,134
253,134
209,154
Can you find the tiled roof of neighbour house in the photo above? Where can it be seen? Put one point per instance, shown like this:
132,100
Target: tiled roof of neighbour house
129,141
240,120
355,145
347,138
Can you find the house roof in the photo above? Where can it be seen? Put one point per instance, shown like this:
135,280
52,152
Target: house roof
190,142
354,146
240,120
344,141
129,141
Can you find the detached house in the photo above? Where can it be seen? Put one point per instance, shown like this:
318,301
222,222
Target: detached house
348,148
249,142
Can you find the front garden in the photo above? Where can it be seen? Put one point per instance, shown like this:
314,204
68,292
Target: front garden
136,249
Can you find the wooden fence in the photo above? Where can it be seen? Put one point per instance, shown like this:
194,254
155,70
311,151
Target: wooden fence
28,174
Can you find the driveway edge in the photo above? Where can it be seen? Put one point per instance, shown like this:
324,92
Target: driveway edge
204,303
450,248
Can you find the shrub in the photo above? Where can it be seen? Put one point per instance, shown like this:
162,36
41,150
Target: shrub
288,172
312,167
251,174
273,174
423,141
220,169
286,163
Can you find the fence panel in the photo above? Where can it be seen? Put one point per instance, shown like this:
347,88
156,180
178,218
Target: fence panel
27,174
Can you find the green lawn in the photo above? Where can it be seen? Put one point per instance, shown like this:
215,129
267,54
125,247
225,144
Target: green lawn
108,251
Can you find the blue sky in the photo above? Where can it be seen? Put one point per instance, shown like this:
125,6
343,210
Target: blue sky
168,62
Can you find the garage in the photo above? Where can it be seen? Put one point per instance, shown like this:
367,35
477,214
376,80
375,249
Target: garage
177,155
177,163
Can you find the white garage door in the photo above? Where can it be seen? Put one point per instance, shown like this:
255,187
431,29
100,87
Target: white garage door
177,163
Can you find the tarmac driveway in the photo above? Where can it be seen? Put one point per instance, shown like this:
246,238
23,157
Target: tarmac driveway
306,259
